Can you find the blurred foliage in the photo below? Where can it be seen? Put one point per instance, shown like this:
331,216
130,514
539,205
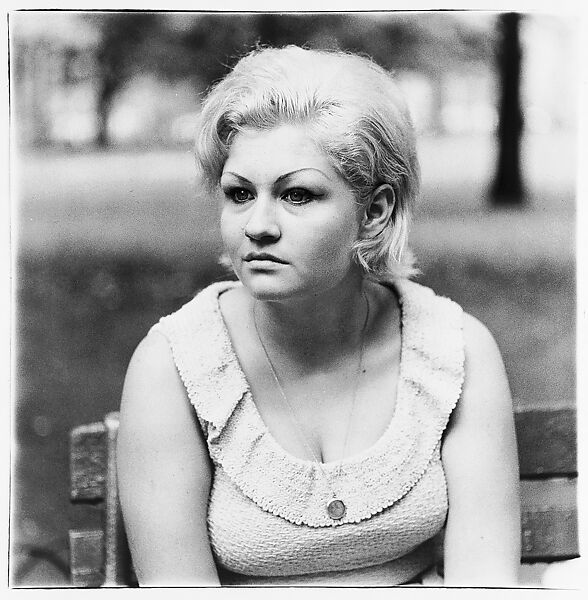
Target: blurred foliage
202,47
126,48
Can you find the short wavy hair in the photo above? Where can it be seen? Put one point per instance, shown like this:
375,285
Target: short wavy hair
355,113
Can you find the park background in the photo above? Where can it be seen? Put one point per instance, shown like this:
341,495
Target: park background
110,231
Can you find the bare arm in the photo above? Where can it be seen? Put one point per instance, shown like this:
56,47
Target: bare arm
164,473
482,540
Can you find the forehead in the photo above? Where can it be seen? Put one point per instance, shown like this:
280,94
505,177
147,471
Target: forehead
275,151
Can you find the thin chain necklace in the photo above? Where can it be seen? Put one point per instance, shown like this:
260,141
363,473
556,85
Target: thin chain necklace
336,508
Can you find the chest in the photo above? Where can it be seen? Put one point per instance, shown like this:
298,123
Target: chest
322,401
331,412
249,540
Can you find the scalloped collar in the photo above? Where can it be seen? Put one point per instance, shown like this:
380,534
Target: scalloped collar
247,395
429,385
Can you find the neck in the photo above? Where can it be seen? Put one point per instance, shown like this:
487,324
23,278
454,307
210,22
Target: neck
312,327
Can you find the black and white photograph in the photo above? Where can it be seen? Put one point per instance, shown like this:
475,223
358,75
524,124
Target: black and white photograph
294,299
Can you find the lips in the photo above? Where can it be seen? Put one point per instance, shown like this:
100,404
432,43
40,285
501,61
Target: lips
259,256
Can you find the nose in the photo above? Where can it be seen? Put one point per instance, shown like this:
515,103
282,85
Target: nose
263,222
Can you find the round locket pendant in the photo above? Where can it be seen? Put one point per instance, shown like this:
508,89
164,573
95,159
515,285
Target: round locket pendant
336,509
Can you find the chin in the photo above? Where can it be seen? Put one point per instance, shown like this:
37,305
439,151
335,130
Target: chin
271,288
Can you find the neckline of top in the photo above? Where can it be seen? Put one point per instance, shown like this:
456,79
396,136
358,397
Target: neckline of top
247,396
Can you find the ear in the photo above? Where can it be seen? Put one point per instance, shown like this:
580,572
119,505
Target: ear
379,209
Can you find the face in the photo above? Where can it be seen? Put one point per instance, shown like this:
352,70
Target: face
289,220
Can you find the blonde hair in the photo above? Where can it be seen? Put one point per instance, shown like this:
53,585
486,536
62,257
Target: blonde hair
356,115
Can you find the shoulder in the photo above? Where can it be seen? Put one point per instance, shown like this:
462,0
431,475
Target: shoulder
157,420
424,305
444,314
153,392
466,346
483,361
485,403
152,359
186,366
478,341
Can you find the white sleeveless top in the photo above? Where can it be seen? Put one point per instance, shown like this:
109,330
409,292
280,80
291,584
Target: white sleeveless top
267,518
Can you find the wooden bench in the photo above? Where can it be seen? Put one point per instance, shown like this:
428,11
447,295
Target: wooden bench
99,554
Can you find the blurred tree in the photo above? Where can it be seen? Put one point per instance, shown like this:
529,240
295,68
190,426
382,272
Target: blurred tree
171,46
124,50
428,42
209,44
507,188
204,46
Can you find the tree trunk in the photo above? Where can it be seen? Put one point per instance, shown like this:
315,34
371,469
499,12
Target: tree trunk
105,96
508,188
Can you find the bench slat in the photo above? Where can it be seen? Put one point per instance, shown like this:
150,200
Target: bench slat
86,557
547,447
546,442
88,462
549,520
117,563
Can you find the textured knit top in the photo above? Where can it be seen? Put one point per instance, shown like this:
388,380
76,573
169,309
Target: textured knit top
267,518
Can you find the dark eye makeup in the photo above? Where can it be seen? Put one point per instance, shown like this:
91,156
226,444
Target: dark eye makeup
298,196
238,195
295,195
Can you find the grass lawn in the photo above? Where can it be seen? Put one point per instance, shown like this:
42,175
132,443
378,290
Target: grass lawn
107,243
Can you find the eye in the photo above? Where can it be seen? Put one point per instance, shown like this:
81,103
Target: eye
297,196
239,195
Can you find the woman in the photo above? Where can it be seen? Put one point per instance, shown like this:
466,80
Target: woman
323,421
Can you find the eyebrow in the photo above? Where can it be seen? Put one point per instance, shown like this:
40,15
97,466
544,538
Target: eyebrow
281,177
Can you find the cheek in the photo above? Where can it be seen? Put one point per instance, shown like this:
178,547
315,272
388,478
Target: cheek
331,242
230,230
